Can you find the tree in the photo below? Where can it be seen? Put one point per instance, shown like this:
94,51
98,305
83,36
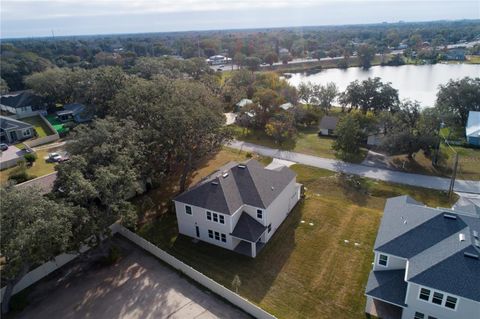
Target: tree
270,58
366,53
349,137
458,97
236,283
369,95
35,229
266,100
4,89
104,171
326,94
280,127
252,63
239,59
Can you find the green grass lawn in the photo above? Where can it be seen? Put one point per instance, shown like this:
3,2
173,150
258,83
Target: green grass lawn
307,141
39,125
304,271
39,168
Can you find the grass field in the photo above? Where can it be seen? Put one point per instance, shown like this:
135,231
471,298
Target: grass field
307,141
304,271
40,168
40,126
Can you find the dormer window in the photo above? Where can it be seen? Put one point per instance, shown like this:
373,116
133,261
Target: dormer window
259,214
383,260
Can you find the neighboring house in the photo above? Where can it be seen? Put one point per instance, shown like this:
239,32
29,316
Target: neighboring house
21,104
328,124
73,112
239,207
286,106
455,54
242,103
218,59
12,131
472,131
426,263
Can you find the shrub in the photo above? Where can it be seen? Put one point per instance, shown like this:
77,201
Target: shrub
30,158
249,155
19,175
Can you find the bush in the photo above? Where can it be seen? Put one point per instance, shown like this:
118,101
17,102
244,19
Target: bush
249,155
19,174
30,158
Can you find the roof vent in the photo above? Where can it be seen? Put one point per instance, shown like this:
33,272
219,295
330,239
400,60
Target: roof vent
214,183
242,166
225,175
470,255
273,188
475,234
450,216
461,236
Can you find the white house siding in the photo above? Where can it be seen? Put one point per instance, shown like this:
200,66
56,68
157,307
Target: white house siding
392,264
187,223
324,131
281,207
466,308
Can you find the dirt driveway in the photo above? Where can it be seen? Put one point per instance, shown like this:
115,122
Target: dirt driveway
138,286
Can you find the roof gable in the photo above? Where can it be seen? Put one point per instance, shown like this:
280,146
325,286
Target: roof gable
473,124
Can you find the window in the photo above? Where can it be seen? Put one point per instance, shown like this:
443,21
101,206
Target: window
26,132
432,317
215,217
270,228
383,260
217,235
188,210
437,298
419,315
209,215
451,302
222,219
424,294
259,214
224,238
210,233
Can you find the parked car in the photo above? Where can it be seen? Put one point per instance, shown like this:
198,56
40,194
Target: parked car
3,146
54,157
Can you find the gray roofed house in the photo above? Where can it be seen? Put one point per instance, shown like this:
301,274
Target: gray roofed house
21,103
12,130
239,206
328,124
74,112
437,252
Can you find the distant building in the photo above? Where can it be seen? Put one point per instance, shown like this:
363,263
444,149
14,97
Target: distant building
242,103
455,54
73,112
12,130
472,131
328,124
21,103
218,59
286,106
426,263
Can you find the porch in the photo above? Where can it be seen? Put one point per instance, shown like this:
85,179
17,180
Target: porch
248,248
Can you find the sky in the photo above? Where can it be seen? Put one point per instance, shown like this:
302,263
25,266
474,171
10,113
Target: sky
36,18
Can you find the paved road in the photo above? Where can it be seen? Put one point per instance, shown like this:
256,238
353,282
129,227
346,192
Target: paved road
137,287
433,182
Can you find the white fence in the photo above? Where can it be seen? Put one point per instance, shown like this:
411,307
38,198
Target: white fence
47,268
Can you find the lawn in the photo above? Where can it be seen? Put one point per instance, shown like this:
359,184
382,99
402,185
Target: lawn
468,163
307,141
40,168
305,271
39,125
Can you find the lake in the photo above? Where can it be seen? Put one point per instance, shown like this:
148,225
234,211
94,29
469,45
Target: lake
416,82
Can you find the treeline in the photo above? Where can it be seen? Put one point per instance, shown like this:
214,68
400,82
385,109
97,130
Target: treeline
23,57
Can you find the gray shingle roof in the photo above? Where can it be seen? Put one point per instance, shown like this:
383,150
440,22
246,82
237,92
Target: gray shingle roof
248,228
431,243
388,285
19,99
7,123
252,185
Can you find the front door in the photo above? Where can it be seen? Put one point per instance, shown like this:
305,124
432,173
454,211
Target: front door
13,136
198,231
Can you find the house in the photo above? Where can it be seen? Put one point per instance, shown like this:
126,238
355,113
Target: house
239,207
472,131
12,130
427,262
457,54
218,59
328,124
21,104
286,106
73,112
242,103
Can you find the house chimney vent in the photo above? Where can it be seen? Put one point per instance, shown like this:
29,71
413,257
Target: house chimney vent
242,166
449,216
470,255
225,175
461,236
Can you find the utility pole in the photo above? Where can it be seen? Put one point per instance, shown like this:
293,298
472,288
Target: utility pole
454,175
